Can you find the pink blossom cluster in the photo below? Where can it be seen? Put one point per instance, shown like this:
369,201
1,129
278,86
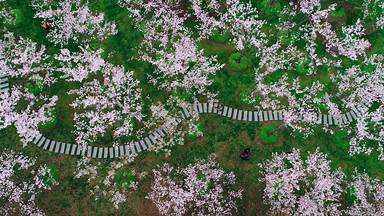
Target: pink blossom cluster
25,121
202,188
111,104
18,193
72,20
294,186
21,57
102,180
368,193
241,20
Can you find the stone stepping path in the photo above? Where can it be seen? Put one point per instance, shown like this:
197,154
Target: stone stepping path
157,135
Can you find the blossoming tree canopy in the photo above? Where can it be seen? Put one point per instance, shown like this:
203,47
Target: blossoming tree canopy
295,186
202,188
72,20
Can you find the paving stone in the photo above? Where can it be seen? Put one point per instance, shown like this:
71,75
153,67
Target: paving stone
229,114
132,148
36,139
57,147
245,115
62,148
337,120
89,151
67,148
195,107
98,153
117,153
143,145
353,114
122,153
240,115
153,139
281,114
148,142
110,150
127,150
137,146
79,150
325,119
345,119
94,151
105,152
330,120
210,107
275,115
51,146
234,114
357,112
270,115
205,108
200,107
73,149
265,116
250,116
161,132
260,115
225,111
255,116
46,144
349,117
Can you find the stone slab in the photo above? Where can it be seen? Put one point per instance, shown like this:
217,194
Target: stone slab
122,153
229,113
240,115
67,148
265,116
260,115
117,153
41,141
57,147
137,146
234,116
110,151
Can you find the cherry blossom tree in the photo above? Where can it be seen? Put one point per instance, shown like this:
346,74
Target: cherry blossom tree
21,57
113,185
112,104
295,186
202,188
28,119
367,195
19,185
78,66
72,20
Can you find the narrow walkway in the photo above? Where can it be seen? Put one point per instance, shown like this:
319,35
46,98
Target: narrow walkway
157,135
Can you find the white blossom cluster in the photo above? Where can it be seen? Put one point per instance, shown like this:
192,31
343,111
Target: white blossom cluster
201,188
20,183
169,46
301,187
72,20
294,186
104,185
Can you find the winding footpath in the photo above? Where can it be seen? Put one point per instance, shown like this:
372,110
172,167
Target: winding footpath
160,133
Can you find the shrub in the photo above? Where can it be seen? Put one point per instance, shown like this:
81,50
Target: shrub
220,37
339,139
268,134
238,62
